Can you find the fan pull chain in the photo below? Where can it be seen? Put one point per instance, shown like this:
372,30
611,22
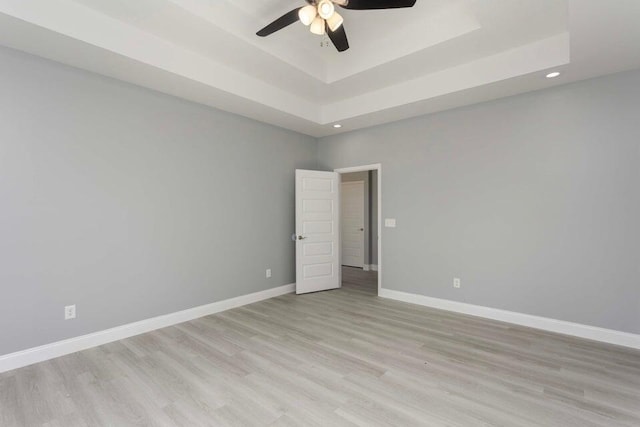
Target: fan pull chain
324,40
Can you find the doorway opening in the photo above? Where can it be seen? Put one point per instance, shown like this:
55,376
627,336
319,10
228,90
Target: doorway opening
360,227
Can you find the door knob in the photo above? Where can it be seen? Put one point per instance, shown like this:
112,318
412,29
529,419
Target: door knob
301,237
362,229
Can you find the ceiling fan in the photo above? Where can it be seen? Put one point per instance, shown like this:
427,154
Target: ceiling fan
321,17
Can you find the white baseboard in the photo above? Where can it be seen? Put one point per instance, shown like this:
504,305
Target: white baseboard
373,267
366,267
60,348
595,333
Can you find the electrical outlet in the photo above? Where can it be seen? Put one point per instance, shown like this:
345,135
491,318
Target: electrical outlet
456,282
268,273
70,312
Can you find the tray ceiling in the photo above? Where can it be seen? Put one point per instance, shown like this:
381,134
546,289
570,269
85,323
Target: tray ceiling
405,62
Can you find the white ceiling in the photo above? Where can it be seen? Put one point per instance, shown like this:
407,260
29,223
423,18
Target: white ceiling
404,62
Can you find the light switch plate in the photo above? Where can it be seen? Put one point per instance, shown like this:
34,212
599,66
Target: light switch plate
70,312
390,222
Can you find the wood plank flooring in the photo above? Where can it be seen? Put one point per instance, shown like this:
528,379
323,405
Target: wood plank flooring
338,358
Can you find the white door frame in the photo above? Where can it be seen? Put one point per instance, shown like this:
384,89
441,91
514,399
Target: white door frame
374,167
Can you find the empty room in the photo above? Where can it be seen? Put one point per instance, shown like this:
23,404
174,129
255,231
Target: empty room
320,213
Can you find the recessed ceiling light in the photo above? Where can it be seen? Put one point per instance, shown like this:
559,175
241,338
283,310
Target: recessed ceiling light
337,126
552,75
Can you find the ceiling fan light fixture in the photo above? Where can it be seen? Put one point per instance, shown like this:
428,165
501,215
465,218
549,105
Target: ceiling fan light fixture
326,9
321,18
317,26
335,21
307,14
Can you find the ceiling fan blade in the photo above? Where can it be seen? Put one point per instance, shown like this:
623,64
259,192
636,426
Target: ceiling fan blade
339,38
284,21
378,4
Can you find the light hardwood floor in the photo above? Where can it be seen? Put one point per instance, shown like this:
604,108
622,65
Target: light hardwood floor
335,358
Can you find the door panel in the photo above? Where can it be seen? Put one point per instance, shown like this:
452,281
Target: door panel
317,231
352,209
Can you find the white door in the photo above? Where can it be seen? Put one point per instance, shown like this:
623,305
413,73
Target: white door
352,218
317,231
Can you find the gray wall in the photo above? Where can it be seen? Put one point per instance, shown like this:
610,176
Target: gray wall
133,204
373,208
130,203
533,201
